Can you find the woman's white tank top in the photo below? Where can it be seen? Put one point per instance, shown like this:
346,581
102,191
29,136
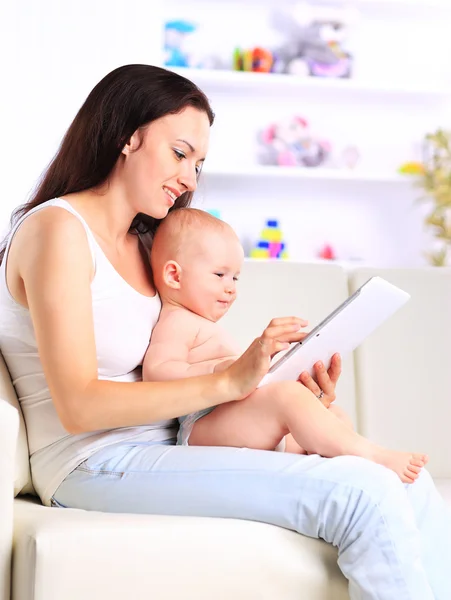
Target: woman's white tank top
123,323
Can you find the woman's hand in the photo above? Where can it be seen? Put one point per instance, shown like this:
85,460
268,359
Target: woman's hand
323,380
244,375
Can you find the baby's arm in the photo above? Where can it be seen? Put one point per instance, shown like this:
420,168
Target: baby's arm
172,340
224,363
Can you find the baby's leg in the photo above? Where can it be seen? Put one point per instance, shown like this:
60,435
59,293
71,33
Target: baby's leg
275,410
341,414
293,447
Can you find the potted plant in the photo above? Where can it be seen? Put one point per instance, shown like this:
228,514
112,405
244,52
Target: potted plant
435,180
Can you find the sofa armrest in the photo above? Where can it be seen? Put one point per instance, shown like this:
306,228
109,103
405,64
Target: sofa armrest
9,426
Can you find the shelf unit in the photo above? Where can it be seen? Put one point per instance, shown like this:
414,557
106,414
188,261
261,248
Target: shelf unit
368,211
309,174
230,82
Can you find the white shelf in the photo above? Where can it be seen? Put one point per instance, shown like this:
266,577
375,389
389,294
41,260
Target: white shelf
232,82
315,173
422,4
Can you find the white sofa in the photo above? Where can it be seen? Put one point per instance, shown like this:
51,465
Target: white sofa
397,391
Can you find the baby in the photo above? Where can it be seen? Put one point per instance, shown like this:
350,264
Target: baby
196,262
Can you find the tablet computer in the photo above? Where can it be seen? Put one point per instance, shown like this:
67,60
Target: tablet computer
342,331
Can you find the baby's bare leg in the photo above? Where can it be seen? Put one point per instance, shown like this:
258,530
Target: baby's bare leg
293,447
275,410
249,423
342,415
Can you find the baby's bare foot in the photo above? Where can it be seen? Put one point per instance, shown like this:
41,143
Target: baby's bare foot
405,464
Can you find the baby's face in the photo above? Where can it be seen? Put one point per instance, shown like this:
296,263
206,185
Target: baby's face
210,274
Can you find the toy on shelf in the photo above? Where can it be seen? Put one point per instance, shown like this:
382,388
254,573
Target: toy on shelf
291,143
327,252
315,40
270,244
259,60
184,47
412,168
350,157
175,33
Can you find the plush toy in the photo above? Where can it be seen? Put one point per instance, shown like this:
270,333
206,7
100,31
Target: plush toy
315,41
290,143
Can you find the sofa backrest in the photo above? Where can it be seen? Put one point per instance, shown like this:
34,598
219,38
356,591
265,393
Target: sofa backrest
22,476
277,289
403,374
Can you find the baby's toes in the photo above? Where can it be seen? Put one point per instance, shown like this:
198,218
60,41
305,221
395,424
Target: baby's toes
413,471
408,476
419,460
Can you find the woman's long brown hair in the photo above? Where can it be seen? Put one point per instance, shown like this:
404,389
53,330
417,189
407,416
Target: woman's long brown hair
126,99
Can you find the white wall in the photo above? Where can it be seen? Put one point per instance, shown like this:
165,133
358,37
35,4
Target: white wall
54,52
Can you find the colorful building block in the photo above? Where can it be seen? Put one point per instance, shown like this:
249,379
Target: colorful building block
270,244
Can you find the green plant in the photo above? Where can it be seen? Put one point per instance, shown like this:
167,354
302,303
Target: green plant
436,183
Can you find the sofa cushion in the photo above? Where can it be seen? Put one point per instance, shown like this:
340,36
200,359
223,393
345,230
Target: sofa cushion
403,374
8,441
269,289
72,554
22,477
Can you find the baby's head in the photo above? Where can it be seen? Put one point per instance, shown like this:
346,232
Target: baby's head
196,261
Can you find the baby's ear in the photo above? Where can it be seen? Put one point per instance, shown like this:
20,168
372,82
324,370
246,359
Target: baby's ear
171,274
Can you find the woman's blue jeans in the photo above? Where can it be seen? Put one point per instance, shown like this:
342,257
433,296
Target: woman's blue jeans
393,539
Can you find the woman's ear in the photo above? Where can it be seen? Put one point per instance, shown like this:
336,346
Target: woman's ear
172,272
132,144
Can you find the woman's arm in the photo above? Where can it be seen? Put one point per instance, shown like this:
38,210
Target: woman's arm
56,270
54,263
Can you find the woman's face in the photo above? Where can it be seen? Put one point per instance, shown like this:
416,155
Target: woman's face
168,161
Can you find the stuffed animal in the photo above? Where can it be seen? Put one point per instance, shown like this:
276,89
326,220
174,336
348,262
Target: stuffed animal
290,143
315,39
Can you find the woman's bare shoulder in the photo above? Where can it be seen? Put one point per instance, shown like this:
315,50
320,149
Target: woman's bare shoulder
50,229
49,239
49,220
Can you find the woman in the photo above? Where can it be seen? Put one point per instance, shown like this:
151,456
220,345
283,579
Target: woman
77,308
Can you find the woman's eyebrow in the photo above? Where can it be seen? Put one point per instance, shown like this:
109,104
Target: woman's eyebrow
190,147
187,143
